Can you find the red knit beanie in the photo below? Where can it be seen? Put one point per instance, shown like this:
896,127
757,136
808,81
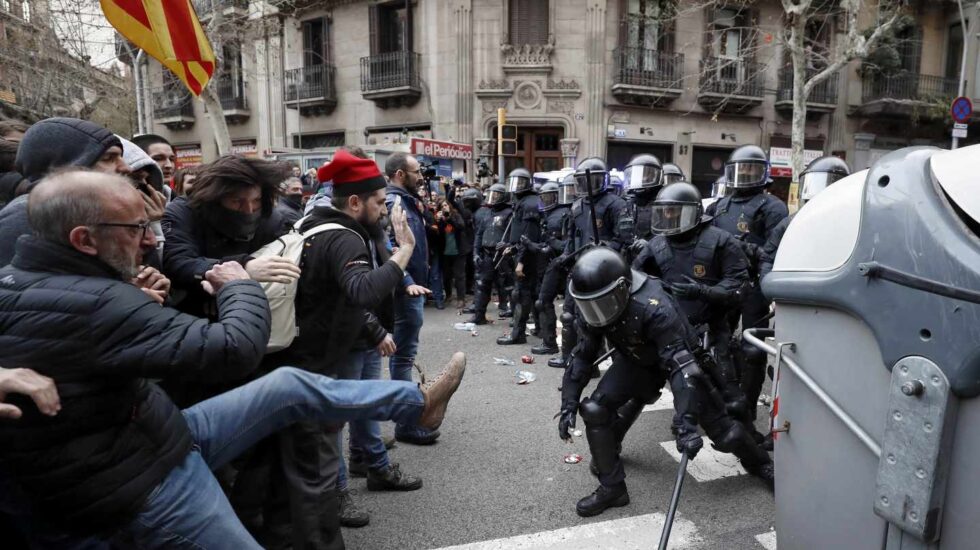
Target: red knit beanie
351,175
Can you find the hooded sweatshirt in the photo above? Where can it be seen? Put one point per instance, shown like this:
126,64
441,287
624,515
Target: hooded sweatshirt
137,159
49,144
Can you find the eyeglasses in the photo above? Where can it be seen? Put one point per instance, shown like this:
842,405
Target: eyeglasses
412,171
142,227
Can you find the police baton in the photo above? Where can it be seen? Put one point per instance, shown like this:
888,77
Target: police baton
595,223
674,499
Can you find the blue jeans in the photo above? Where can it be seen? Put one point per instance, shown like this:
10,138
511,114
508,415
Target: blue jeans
188,508
436,285
365,435
408,324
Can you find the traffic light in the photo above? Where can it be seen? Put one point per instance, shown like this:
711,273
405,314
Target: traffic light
507,140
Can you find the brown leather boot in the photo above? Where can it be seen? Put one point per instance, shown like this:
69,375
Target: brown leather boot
438,392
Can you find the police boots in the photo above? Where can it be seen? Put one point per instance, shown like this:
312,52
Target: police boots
517,335
602,499
547,331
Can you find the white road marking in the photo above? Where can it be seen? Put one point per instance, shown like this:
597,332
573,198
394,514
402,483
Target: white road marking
616,534
767,540
665,403
710,464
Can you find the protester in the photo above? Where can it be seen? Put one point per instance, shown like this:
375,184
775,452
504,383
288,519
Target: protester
120,457
403,188
184,180
290,205
50,144
435,241
148,177
13,130
10,178
162,153
455,249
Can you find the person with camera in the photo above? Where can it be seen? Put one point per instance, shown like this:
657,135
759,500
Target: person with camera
453,252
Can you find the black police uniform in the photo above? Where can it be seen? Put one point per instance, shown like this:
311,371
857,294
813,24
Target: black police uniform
554,277
526,222
653,343
710,257
751,218
491,224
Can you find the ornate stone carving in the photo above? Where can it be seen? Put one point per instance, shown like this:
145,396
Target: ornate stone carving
491,105
492,84
569,147
562,106
527,54
562,85
527,95
485,147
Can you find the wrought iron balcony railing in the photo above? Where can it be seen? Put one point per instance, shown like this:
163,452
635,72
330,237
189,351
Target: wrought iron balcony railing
731,77
824,92
315,82
907,86
648,68
390,70
172,104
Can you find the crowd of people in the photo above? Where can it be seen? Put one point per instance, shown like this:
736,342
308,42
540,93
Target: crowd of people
148,398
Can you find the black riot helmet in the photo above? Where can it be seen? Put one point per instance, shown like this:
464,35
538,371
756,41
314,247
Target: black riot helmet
497,195
643,174
676,210
471,199
673,174
720,188
820,174
601,283
548,196
747,168
598,178
519,181
566,190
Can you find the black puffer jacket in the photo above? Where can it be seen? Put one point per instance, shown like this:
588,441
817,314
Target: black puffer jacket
69,316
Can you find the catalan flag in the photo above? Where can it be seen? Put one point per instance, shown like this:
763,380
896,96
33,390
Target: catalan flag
169,31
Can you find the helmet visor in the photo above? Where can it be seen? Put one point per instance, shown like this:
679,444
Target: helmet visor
566,193
548,199
672,178
601,308
518,184
596,180
719,189
670,219
815,182
641,177
746,174
496,197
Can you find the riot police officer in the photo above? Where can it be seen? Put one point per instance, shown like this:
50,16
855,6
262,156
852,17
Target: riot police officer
705,270
652,344
644,177
525,223
820,174
489,243
750,214
556,202
673,174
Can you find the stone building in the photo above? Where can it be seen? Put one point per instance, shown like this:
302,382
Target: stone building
610,78
40,79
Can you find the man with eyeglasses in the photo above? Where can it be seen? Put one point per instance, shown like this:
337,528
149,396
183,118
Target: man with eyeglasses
49,145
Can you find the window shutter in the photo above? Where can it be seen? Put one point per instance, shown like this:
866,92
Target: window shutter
375,34
538,16
518,22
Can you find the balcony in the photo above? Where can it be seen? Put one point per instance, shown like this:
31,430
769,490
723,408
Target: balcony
647,77
174,109
729,84
203,7
823,97
311,89
233,102
391,79
904,95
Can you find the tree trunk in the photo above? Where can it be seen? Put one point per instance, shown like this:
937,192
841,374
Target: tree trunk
218,123
800,93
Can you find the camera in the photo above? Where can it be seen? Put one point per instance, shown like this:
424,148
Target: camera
428,171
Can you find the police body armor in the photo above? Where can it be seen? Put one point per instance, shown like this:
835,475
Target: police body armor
628,334
697,262
493,233
553,230
744,218
527,220
637,217
581,219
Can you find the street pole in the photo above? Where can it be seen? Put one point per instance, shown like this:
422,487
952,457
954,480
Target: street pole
140,121
966,47
501,120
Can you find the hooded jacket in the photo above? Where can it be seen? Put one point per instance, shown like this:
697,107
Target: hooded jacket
418,265
137,159
49,144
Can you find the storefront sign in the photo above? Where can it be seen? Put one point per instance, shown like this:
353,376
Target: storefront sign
781,159
245,148
441,149
188,155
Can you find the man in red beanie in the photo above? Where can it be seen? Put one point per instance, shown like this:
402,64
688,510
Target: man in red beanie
346,276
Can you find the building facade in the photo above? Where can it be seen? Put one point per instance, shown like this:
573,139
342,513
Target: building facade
608,78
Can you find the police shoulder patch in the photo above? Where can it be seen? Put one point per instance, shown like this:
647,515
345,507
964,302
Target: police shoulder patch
699,270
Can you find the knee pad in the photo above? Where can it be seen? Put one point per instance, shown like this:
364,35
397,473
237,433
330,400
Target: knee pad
594,413
539,305
567,319
730,439
752,354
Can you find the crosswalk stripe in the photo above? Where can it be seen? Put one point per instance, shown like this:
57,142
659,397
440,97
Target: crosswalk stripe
767,540
616,534
709,465
665,403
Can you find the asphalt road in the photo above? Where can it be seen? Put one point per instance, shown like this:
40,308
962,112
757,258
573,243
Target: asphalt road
498,472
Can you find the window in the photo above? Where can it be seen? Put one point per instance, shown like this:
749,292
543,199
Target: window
26,8
647,25
909,46
528,21
315,45
954,51
318,141
391,28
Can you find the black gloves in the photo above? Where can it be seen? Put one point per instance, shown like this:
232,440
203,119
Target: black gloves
566,420
691,290
689,443
638,246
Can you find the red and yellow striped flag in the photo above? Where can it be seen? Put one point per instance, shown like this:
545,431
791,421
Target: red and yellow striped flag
169,31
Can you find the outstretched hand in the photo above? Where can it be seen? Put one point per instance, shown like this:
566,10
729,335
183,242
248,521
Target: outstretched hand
39,388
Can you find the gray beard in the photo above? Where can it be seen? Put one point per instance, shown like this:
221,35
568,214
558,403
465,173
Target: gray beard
121,263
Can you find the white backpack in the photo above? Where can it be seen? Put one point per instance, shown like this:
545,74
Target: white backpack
282,297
